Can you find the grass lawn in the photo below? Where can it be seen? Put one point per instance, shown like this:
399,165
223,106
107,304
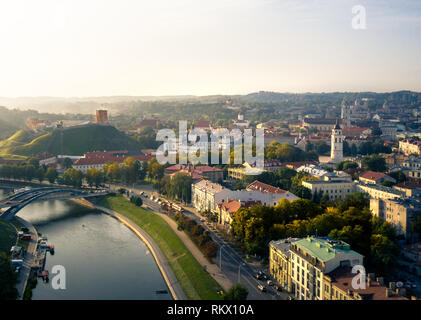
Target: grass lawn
7,236
195,281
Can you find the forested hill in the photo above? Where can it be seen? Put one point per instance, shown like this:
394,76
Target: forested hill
70,141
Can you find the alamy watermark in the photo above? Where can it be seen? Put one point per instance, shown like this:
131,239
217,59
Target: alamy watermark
359,19
220,145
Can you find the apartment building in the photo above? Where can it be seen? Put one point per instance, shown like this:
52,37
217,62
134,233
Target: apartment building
335,189
280,262
372,177
399,212
380,192
338,286
321,269
207,195
312,258
409,147
98,159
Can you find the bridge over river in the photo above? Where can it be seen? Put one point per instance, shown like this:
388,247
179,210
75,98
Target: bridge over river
11,205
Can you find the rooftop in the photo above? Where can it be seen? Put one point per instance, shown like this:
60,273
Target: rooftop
371,175
264,188
375,290
209,186
324,249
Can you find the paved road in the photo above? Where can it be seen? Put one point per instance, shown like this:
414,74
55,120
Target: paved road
232,263
29,258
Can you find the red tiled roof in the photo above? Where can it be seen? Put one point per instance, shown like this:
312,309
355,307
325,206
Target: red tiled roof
200,169
342,278
264,188
202,124
193,174
102,157
233,206
371,175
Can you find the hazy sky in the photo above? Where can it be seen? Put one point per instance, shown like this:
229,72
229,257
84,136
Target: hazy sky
165,47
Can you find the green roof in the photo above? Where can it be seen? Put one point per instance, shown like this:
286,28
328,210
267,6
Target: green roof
324,249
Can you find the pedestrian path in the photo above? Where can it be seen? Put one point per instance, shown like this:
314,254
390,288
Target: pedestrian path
211,268
29,258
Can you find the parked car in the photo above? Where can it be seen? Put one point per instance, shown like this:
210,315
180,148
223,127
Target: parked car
277,288
261,288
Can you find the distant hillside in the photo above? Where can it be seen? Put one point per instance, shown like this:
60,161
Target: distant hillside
6,129
69,141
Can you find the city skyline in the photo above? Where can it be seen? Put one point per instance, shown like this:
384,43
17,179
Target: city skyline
161,48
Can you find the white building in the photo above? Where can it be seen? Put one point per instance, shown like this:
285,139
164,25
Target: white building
207,195
380,192
335,189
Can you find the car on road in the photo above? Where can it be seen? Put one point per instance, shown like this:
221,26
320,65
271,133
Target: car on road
269,283
259,276
277,288
261,288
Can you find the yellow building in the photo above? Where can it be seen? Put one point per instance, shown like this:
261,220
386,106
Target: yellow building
279,263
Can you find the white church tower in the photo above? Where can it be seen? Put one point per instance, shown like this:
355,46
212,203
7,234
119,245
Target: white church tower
336,153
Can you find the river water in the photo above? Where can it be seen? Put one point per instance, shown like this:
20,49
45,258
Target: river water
102,258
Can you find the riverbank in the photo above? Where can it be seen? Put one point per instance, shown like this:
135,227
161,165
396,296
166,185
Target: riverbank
29,259
196,283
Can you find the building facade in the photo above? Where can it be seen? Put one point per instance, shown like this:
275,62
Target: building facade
337,140
311,258
335,189
399,212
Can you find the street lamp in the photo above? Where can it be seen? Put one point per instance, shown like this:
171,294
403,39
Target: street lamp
220,256
239,271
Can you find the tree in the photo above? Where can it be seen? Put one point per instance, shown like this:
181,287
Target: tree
40,173
180,187
136,200
51,175
210,249
34,162
237,292
94,177
322,147
67,163
374,163
346,164
387,183
399,176
73,177
30,172
384,252
155,169
112,171
7,279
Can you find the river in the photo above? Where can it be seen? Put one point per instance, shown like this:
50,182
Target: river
102,258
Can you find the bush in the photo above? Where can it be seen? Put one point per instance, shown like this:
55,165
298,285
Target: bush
210,249
197,230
